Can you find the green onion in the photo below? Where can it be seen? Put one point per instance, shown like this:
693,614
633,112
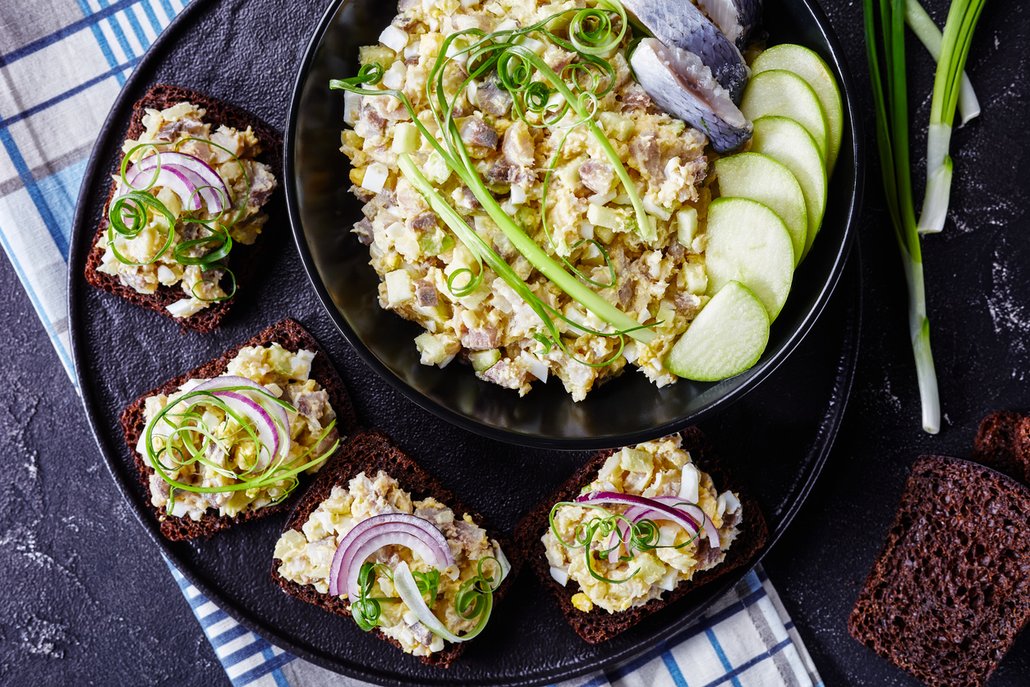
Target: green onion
485,253
366,610
640,535
577,89
958,35
180,448
130,213
473,600
891,104
929,35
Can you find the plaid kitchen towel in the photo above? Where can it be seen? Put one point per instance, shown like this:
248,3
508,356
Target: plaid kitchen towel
62,63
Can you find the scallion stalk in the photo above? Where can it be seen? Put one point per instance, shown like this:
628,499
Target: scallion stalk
529,249
958,34
890,97
929,35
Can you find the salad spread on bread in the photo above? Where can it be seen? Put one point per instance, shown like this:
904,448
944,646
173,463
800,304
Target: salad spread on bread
185,193
414,569
648,521
237,442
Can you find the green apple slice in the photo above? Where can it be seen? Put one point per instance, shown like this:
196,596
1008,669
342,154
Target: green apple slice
810,67
761,178
726,338
781,93
787,142
748,243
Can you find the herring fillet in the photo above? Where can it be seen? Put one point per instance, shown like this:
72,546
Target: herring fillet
680,24
735,18
683,86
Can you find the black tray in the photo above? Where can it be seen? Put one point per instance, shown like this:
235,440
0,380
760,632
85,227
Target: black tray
247,51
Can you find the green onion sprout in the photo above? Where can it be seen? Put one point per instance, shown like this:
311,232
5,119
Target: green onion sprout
890,97
189,441
929,35
132,212
640,535
958,35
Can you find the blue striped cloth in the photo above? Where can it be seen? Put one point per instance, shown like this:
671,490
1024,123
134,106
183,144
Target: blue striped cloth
63,63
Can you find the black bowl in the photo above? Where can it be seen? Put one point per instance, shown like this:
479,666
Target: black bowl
623,411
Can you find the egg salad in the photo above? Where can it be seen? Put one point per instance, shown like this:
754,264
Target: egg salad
564,185
239,441
146,255
648,521
306,556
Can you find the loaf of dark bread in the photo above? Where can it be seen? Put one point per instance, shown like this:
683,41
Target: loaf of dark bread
370,452
290,335
951,589
598,625
1003,443
242,259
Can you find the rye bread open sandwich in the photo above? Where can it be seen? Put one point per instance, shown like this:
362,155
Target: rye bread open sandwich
637,529
950,590
230,440
186,211
378,539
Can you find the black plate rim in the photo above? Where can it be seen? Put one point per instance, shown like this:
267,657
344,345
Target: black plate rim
76,284
759,373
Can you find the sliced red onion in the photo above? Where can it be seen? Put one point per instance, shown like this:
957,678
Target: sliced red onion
207,186
707,526
274,409
175,180
271,419
659,508
372,534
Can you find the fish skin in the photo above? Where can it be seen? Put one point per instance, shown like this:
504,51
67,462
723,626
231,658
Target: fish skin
736,19
679,23
682,85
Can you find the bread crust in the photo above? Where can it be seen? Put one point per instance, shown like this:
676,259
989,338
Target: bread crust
598,625
291,336
243,260
369,452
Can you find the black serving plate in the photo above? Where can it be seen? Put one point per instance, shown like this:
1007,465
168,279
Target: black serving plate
775,440
322,210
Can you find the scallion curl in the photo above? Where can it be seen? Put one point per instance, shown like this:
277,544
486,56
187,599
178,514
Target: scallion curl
638,535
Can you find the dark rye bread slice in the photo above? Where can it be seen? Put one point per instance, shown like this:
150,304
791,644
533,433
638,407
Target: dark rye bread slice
369,452
598,625
951,589
293,337
1003,443
242,259
1022,446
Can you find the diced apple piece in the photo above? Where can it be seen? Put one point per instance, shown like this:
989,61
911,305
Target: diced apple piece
748,243
810,67
759,177
787,142
780,93
726,338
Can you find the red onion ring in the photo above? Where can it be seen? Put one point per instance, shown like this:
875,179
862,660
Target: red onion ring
659,508
204,183
170,177
271,419
372,534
